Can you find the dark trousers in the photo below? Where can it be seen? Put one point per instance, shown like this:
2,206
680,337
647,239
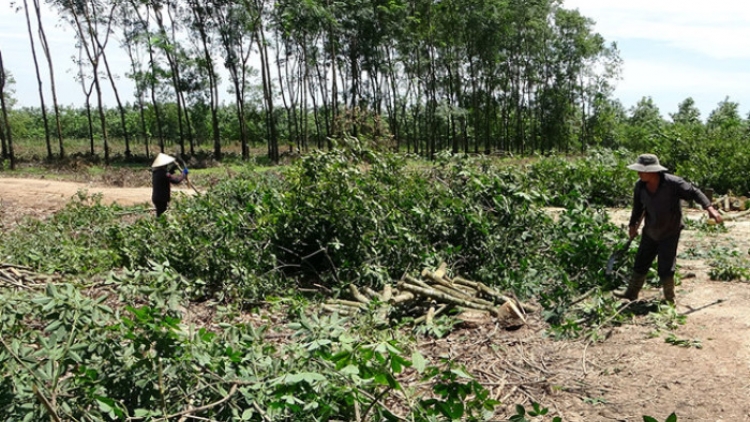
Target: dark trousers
161,207
665,250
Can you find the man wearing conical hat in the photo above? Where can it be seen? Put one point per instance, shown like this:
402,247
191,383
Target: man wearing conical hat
162,179
656,198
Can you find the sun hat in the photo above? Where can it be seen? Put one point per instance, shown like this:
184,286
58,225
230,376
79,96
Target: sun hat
647,163
162,160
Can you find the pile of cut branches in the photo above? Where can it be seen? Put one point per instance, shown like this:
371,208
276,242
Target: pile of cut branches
431,295
23,277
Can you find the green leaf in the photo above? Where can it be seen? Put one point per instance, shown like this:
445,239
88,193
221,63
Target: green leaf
461,373
418,361
520,410
54,325
350,370
309,377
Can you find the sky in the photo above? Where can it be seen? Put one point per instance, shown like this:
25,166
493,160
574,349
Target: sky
671,50
675,49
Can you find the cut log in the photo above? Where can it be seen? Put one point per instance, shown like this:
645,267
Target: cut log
445,283
472,318
732,217
494,293
415,282
387,293
440,272
437,312
346,311
358,295
372,294
401,298
348,303
436,294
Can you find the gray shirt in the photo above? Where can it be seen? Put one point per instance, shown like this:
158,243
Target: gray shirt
663,210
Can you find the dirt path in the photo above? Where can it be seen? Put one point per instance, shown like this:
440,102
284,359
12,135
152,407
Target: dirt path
640,373
634,372
42,197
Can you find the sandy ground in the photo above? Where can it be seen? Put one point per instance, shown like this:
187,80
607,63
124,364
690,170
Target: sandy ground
42,197
634,372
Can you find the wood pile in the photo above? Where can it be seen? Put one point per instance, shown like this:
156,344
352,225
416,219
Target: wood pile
21,277
730,202
431,295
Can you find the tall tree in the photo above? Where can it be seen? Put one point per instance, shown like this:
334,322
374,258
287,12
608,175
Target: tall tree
237,27
265,63
5,129
687,113
725,119
202,23
92,23
53,87
39,81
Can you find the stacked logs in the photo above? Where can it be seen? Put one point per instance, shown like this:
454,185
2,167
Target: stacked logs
22,277
431,295
731,203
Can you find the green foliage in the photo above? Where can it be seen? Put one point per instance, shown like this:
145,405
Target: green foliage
728,264
349,215
666,317
72,241
724,269
537,411
458,396
672,339
144,360
599,178
671,418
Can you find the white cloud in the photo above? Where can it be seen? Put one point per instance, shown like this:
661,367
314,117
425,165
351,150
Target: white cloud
720,29
675,49
665,76
668,84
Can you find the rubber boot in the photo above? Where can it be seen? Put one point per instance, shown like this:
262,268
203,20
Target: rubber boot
667,284
634,287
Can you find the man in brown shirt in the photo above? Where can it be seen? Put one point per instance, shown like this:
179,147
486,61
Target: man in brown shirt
656,198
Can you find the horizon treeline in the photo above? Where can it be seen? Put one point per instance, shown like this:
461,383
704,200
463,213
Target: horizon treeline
468,75
472,76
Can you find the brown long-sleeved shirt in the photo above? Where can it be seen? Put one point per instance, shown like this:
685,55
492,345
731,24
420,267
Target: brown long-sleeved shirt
663,210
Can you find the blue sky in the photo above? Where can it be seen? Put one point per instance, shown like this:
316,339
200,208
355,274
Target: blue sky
674,49
671,50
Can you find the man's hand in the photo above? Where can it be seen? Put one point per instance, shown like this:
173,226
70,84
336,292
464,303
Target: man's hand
633,232
712,213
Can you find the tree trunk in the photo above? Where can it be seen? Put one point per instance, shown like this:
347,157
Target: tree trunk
39,81
45,49
5,129
273,143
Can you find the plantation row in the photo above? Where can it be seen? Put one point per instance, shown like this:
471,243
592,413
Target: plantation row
115,340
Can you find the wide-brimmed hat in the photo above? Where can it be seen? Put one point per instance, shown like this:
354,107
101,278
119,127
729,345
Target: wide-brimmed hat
162,160
647,163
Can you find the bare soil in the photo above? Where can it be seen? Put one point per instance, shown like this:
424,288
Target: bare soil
635,371
41,198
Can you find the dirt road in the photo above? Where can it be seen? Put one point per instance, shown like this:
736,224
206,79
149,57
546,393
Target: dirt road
42,197
701,371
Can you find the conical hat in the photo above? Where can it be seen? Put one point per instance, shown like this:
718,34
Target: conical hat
162,160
